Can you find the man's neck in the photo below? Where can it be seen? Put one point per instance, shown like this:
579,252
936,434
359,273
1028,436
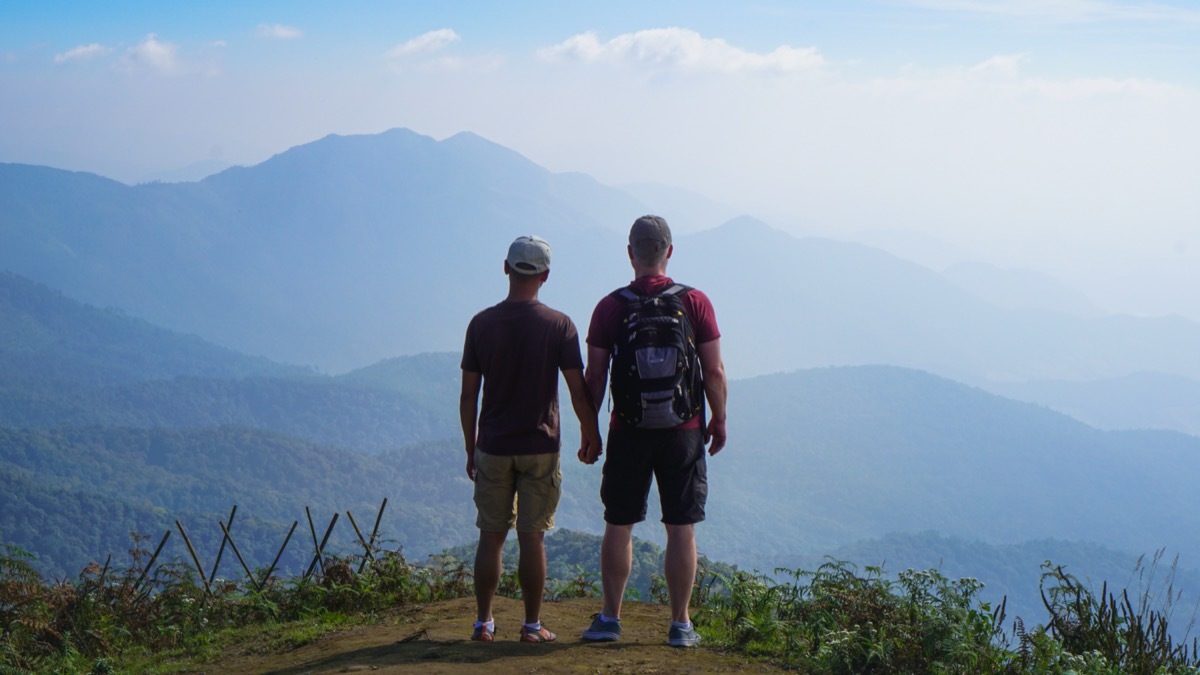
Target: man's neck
640,272
522,292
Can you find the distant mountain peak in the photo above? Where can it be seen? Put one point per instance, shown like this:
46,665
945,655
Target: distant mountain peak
747,222
469,136
477,149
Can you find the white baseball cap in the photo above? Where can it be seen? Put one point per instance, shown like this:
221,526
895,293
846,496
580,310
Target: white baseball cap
529,255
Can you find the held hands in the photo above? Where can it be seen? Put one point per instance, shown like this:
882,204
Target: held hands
590,449
716,434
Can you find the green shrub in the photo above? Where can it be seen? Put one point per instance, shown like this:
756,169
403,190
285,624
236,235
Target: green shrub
835,620
107,614
1111,629
830,620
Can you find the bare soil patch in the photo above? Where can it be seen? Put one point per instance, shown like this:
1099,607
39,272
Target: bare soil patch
435,638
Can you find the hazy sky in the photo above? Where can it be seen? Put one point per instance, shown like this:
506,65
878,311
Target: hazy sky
1059,135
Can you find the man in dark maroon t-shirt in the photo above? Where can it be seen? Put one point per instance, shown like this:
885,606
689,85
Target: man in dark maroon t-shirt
514,351
674,457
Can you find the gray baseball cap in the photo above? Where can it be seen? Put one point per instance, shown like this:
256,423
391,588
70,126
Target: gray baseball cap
529,255
650,237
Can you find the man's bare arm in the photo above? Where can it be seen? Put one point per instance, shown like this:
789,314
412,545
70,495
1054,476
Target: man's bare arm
590,447
597,374
716,389
468,414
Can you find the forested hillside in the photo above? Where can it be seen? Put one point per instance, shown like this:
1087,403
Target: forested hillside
65,363
46,337
844,454
73,495
818,459
109,425
367,418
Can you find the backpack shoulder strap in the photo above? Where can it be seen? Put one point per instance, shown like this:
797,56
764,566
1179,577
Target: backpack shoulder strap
676,290
626,293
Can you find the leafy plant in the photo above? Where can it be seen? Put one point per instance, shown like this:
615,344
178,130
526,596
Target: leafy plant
112,614
1134,639
583,585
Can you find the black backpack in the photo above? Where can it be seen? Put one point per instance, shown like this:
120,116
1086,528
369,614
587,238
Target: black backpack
656,379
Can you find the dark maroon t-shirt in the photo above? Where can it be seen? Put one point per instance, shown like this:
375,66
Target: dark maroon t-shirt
606,322
520,347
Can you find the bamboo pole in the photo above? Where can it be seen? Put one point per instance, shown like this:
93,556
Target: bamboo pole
374,531
236,552
267,576
321,549
316,547
221,551
195,558
152,559
378,517
366,548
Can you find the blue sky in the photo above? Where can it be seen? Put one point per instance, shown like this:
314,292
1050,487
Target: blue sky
1052,134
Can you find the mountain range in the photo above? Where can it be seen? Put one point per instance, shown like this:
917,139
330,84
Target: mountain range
336,254
353,249
166,352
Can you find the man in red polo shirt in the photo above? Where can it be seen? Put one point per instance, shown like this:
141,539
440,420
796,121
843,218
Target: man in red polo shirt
673,456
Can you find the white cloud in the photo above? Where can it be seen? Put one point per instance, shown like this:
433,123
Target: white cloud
1005,65
82,53
279,31
683,49
1070,11
429,42
1002,75
153,53
1096,88
584,47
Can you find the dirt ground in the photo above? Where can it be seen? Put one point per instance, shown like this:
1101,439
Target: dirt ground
435,639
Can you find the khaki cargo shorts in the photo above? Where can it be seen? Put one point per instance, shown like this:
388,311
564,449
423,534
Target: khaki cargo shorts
516,489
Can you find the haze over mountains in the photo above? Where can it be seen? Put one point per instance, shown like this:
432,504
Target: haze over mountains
349,250
851,415
312,257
